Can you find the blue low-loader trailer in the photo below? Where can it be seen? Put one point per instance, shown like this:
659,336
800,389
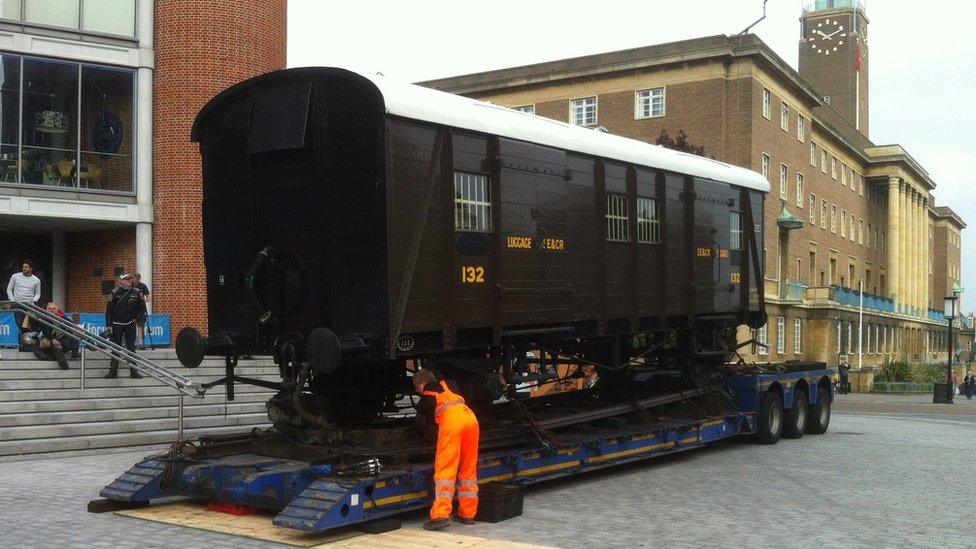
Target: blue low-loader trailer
317,495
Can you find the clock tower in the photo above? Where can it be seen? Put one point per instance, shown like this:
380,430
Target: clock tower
834,56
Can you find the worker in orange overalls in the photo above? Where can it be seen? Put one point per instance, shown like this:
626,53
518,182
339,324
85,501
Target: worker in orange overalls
457,451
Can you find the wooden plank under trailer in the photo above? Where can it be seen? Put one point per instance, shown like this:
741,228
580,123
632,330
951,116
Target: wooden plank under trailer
315,497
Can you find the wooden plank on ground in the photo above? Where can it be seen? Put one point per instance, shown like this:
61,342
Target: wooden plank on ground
259,526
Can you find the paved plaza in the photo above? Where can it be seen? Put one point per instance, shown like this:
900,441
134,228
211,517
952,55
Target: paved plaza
877,478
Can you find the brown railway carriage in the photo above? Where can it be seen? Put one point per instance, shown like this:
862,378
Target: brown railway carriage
414,223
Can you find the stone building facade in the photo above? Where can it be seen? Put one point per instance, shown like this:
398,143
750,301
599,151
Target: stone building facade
869,225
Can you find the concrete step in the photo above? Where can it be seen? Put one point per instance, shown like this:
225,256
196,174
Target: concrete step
158,354
123,388
34,363
42,407
71,379
26,419
71,444
51,371
35,432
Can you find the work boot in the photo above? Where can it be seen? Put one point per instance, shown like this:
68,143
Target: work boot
134,374
463,520
112,373
436,524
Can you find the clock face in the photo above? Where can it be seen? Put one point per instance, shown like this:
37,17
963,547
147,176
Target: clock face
827,36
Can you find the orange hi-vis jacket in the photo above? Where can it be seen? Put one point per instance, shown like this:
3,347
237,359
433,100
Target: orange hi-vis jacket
456,460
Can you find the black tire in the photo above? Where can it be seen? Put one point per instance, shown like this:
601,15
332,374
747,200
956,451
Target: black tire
795,419
819,414
769,420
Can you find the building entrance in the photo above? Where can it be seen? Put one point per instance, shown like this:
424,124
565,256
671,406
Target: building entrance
15,247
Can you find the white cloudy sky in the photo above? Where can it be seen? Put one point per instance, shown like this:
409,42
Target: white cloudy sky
923,57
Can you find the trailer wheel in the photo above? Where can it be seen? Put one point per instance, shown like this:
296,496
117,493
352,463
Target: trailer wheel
819,414
769,420
795,419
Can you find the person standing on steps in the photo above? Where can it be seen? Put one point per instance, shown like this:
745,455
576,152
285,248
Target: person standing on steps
24,287
141,320
124,307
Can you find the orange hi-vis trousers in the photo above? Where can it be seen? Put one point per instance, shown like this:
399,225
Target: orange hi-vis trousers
456,461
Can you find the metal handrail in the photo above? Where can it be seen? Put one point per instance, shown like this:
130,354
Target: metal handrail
183,385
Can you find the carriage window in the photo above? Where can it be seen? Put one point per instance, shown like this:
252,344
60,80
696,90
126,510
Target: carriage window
617,220
735,222
472,202
648,221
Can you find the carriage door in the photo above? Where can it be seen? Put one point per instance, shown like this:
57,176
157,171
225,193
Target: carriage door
712,239
535,286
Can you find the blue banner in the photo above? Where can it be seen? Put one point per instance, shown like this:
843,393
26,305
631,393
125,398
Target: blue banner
157,331
157,328
8,330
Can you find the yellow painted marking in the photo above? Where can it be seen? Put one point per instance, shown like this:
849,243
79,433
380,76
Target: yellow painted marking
689,440
531,472
630,452
473,274
395,499
713,422
519,242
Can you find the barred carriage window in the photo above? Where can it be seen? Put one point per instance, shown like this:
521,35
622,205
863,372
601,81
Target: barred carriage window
648,221
618,222
735,222
472,202
583,111
650,103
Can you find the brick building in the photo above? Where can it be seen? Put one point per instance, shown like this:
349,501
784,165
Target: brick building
867,210
97,172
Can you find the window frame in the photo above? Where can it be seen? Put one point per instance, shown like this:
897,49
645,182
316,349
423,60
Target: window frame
799,190
833,218
813,209
784,117
781,335
797,336
801,130
823,160
735,231
616,223
762,337
80,27
638,103
528,109
596,111
784,181
764,165
823,213
652,224
813,154
767,102
462,201
843,223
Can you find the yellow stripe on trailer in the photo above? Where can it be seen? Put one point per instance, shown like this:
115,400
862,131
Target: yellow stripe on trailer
394,499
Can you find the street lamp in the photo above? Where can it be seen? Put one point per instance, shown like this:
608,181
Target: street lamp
951,305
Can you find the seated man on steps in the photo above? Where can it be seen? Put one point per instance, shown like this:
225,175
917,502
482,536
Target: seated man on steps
54,343
123,309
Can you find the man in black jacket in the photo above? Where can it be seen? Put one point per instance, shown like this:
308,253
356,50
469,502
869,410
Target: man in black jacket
125,306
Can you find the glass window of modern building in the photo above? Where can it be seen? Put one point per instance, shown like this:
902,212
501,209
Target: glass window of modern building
112,17
75,124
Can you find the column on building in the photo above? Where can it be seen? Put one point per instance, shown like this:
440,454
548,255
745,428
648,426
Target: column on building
144,146
926,262
894,239
905,259
912,251
917,246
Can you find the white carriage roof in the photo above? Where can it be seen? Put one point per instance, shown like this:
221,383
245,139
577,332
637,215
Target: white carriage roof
418,102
